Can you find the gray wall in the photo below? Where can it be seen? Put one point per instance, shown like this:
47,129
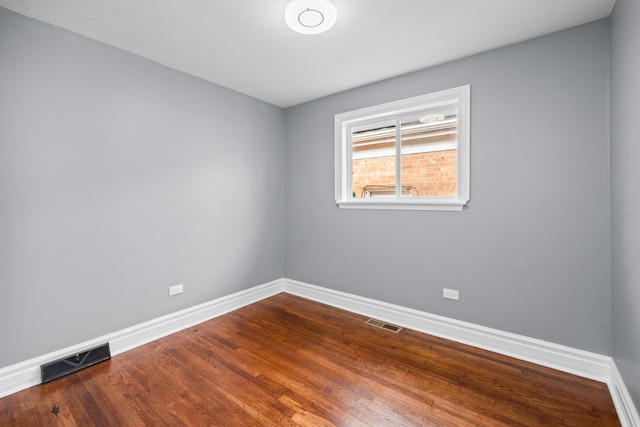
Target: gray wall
625,190
531,254
114,185
118,178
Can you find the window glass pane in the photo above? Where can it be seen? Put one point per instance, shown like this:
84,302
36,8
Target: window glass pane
429,153
373,155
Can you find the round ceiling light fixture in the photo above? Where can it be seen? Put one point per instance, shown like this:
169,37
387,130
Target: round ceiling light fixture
310,16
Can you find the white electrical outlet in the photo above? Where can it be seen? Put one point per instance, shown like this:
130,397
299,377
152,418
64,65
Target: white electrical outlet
176,289
451,294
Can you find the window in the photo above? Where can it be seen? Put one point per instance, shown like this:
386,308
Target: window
408,154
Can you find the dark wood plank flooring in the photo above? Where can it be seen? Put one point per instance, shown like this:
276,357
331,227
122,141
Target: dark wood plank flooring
287,361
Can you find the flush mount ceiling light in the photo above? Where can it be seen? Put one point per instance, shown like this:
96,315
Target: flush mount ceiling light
310,16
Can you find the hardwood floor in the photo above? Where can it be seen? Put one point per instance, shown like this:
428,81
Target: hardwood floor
287,361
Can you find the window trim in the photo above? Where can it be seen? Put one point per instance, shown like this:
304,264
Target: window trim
343,153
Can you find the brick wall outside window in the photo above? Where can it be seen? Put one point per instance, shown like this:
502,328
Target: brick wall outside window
430,174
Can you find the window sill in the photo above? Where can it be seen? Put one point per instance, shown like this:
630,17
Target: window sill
413,205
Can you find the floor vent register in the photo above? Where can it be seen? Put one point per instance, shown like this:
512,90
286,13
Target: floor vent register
59,368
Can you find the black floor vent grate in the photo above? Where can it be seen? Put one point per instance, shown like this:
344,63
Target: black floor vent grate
59,368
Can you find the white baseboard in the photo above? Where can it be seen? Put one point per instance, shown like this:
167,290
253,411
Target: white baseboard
627,412
578,362
26,374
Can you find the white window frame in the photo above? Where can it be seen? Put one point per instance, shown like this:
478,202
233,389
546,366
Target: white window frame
460,96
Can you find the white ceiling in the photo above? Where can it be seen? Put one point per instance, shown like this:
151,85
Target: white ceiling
246,46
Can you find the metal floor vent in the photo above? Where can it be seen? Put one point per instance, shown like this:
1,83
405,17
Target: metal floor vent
59,368
383,325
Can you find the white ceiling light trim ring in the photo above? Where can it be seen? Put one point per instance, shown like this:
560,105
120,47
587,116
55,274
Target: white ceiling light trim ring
310,16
